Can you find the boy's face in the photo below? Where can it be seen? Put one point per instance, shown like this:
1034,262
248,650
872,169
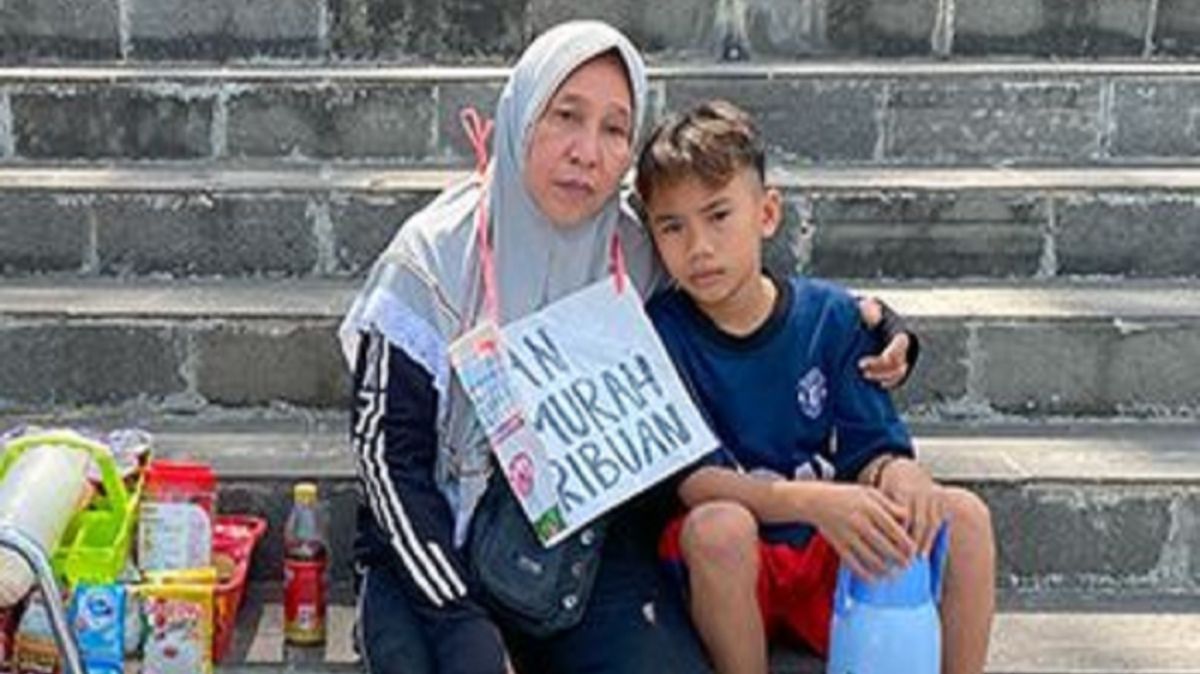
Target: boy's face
711,239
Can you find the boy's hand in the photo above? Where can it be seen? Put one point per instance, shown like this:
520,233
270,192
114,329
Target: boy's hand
907,483
864,526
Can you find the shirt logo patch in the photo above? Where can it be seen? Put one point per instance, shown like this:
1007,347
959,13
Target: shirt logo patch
811,393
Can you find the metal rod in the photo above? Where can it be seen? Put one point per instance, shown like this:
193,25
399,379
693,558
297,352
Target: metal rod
15,540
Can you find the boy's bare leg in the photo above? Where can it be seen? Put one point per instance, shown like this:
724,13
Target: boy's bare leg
969,598
720,546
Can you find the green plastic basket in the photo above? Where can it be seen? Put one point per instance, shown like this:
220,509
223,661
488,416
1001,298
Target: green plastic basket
96,544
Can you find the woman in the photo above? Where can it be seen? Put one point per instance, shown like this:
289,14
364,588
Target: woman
567,124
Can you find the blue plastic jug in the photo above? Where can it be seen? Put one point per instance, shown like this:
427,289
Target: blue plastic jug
890,625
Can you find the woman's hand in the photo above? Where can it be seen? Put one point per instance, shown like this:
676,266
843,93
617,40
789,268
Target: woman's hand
908,484
864,526
890,367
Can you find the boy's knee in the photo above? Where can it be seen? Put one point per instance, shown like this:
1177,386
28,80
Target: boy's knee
721,535
969,514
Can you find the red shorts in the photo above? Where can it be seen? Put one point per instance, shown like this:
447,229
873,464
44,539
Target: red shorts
795,586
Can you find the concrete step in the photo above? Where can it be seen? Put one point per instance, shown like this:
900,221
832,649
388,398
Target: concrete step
1096,506
136,30
1023,350
1075,633
825,112
322,220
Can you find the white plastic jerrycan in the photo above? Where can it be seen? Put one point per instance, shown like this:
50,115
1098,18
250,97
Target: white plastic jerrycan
890,625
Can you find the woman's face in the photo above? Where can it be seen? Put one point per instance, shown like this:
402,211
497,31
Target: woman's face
580,146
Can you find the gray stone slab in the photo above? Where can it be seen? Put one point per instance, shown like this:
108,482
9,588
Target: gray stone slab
1089,453
1042,303
41,233
1076,641
1153,370
1156,118
1003,178
1129,235
789,29
1047,369
363,226
258,364
148,300
370,29
1090,368
808,121
270,648
118,122
1108,453
880,27
1086,453
1050,369
1069,534
267,177
928,235
224,29
48,365
443,30
684,26
795,178
951,121
1128,303
1051,28
321,123
1177,30
940,378
59,29
258,451
1073,639
203,235
1188,536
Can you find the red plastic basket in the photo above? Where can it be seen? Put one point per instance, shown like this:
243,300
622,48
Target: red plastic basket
234,538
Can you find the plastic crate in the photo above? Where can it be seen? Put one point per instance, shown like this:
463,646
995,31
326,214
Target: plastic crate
234,540
95,545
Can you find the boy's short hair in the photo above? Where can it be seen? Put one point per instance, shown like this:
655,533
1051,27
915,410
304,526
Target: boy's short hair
712,141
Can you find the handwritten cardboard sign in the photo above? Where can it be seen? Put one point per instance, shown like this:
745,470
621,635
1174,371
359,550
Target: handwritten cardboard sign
594,410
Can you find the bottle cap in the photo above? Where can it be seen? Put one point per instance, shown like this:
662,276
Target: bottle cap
305,493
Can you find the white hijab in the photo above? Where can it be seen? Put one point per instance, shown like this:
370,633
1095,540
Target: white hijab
426,288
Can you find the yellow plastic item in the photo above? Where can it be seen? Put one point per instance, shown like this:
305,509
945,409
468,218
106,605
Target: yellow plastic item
204,575
305,493
96,544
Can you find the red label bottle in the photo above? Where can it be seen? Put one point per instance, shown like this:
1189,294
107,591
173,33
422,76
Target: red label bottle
304,570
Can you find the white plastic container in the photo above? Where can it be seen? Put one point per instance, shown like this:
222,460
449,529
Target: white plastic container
38,496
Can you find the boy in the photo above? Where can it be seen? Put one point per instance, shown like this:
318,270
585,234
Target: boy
816,466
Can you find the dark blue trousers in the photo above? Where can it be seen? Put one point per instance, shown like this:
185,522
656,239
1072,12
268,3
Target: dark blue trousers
636,622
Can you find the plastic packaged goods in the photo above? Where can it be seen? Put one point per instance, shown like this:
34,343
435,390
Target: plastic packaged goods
98,620
40,491
178,612
36,651
176,517
304,565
